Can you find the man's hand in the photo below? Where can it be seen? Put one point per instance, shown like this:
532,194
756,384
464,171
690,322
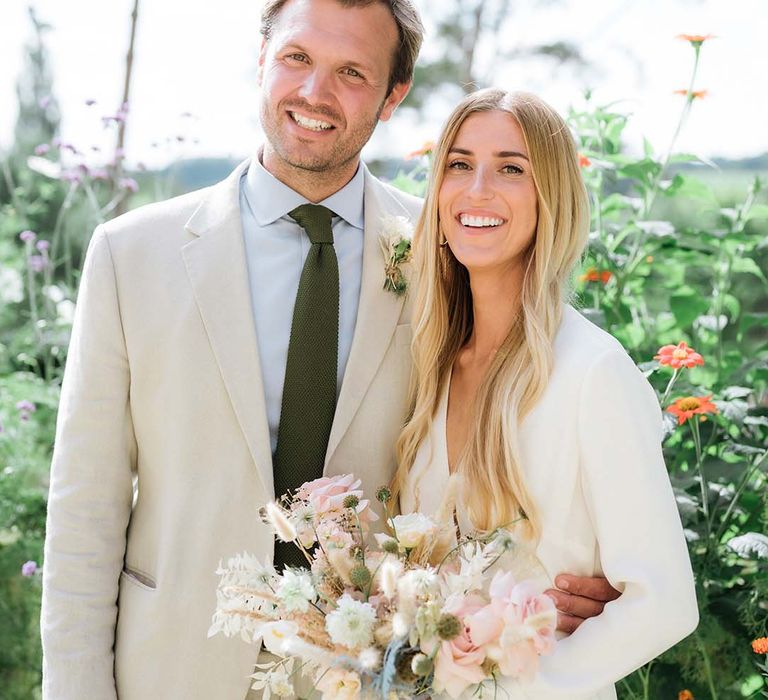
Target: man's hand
579,598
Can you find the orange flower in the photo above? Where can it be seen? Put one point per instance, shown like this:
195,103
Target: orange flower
689,406
693,94
760,645
695,39
678,356
425,150
584,162
595,275
685,695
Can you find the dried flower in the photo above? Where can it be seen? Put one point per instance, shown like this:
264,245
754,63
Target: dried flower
689,406
678,356
280,522
383,494
448,627
760,645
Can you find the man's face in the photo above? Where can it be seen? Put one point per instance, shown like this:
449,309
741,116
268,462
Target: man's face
324,78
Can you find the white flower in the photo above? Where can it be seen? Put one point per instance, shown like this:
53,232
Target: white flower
276,635
11,286
296,591
412,529
280,683
339,684
280,523
396,228
750,543
351,623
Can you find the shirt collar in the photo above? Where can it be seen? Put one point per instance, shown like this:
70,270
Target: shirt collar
269,199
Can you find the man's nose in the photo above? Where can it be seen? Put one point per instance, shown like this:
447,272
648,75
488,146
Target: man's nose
316,86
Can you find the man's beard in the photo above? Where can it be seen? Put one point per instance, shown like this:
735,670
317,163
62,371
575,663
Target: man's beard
340,154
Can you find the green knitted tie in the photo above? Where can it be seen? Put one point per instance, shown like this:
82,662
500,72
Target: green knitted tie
309,392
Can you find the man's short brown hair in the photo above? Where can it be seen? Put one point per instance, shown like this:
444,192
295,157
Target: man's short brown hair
409,28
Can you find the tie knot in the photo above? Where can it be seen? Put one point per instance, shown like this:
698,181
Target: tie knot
315,219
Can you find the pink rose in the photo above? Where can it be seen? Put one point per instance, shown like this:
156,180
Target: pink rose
516,627
459,662
326,495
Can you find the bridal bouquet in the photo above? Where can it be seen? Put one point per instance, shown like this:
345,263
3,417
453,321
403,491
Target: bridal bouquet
412,616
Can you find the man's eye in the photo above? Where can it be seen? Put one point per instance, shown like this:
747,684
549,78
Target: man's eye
352,73
300,57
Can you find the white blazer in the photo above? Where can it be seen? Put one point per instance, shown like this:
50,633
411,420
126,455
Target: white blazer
592,460
162,456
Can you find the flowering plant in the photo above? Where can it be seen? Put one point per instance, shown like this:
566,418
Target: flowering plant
412,616
395,239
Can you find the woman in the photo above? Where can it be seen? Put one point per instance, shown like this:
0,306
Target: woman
533,409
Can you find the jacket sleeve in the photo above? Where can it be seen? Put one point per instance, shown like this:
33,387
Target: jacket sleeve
642,549
90,495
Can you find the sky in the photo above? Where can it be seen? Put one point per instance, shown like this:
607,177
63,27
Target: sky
195,89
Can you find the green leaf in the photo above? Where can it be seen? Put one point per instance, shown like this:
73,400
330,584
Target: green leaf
690,187
758,211
687,305
749,266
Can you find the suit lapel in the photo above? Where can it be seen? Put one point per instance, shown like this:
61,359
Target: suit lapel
216,266
377,315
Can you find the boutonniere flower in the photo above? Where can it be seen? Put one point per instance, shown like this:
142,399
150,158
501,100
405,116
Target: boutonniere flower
395,239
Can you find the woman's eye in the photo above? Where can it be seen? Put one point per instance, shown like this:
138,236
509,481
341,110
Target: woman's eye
457,165
513,169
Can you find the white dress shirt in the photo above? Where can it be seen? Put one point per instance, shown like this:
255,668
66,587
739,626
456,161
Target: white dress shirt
276,247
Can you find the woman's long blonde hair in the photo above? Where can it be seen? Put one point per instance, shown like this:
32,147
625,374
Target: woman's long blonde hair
443,317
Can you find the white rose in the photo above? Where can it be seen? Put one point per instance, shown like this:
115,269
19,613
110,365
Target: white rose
411,529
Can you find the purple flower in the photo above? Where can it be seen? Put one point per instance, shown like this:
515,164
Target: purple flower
42,149
25,407
42,246
29,568
100,174
37,263
128,183
28,236
71,176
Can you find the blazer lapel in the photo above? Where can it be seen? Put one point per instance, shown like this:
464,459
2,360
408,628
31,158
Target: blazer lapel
377,315
216,266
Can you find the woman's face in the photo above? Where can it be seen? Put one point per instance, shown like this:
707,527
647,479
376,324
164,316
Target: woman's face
487,201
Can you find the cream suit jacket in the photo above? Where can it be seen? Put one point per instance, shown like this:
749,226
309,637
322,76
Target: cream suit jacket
162,456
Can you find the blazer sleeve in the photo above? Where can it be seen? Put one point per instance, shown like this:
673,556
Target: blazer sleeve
90,495
642,549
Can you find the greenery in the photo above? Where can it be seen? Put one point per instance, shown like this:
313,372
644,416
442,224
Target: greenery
673,257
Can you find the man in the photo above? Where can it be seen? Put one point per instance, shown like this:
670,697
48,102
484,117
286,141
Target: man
191,369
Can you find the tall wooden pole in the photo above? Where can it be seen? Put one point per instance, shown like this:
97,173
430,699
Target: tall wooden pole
124,107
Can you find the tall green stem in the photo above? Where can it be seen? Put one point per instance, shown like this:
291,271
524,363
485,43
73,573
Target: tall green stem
707,667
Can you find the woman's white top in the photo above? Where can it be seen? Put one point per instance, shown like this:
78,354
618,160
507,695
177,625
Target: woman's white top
592,460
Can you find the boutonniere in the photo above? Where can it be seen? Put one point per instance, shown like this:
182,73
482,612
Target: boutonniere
395,239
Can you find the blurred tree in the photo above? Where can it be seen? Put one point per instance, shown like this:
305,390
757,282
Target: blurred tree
468,42
38,116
